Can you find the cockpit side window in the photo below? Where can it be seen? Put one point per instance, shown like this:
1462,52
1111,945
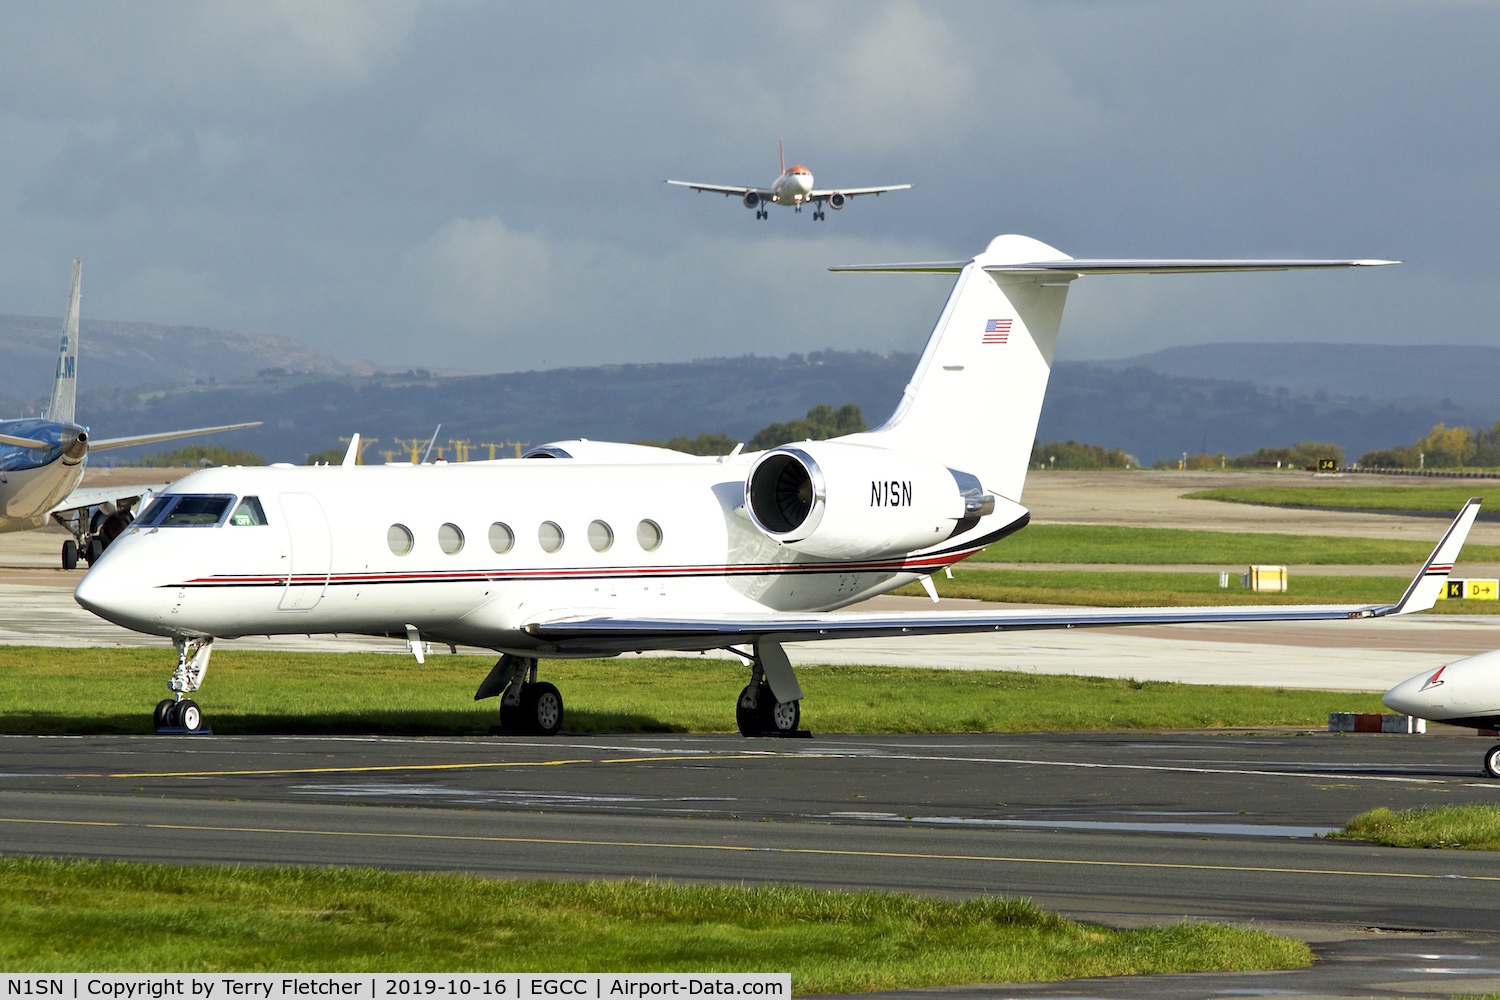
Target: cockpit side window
156,508
197,511
248,513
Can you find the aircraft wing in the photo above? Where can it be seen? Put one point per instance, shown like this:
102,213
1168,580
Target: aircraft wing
606,633
818,194
724,189
126,442
93,496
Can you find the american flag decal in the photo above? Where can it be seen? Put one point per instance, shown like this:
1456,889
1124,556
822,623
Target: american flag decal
996,331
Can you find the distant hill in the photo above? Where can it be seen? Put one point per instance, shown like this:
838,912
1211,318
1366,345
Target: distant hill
1375,371
1146,413
117,354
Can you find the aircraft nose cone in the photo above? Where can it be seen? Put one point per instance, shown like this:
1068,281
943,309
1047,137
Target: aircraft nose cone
118,596
1416,695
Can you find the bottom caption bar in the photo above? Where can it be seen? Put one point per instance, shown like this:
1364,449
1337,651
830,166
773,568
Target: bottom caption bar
511,985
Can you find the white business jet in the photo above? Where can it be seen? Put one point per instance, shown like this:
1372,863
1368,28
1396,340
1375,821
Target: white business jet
42,461
1465,692
594,549
793,188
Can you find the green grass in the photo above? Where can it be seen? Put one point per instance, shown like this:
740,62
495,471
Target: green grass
1469,828
1444,499
45,690
1145,589
63,916
1106,543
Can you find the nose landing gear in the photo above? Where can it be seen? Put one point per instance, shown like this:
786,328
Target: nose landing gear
1492,762
180,714
526,704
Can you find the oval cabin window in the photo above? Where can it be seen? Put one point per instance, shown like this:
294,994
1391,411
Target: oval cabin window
601,536
501,537
450,539
648,533
550,535
400,539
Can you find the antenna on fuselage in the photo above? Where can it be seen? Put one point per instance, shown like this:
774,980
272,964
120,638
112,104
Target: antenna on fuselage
430,444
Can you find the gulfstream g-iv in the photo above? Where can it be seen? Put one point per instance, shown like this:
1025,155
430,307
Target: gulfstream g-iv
42,461
593,549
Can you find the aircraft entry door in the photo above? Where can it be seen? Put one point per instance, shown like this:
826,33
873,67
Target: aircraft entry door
312,552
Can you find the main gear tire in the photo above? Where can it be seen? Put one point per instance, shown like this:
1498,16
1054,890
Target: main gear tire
542,708
746,714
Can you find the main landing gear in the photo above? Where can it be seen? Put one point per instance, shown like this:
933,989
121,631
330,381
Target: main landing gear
771,704
526,704
180,714
761,213
818,214
93,533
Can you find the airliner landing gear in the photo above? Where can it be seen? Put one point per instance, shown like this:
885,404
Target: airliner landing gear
817,215
761,213
526,704
92,534
1492,762
758,711
180,714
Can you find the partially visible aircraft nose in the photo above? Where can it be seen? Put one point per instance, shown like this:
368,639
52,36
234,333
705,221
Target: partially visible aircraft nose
1417,695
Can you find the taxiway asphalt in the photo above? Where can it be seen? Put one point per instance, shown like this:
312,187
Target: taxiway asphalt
1108,827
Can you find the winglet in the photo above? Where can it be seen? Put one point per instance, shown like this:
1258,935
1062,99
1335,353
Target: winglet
1433,576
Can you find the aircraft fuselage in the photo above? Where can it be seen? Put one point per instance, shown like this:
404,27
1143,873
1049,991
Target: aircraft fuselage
493,546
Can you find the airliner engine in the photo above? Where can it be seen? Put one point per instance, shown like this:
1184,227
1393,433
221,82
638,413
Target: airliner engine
751,199
836,200
850,501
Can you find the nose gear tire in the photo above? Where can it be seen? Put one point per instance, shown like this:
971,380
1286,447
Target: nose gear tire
1492,762
162,717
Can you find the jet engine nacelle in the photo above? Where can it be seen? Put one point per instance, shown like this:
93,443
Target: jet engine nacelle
837,200
751,199
849,501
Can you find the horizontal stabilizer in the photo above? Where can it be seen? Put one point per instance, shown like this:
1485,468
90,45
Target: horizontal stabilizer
1124,266
126,442
20,442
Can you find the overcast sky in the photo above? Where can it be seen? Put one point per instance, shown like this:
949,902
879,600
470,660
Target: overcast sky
478,185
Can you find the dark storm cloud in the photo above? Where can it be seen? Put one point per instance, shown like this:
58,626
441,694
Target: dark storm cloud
479,185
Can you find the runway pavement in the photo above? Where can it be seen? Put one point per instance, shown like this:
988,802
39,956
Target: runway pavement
1110,827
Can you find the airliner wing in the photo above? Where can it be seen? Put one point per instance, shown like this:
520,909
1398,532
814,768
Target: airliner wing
126,442
93,496
603,634
724,189
818,194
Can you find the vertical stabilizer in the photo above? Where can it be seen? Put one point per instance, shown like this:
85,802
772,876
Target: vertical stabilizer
65,382
976,396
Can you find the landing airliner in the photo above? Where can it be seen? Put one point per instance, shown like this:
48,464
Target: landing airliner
792,188
42,461
595,549
1465,692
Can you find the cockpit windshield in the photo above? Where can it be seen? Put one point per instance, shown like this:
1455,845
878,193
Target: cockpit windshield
186,511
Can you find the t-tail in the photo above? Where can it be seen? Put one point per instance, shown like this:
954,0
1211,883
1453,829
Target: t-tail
976,396
65,382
